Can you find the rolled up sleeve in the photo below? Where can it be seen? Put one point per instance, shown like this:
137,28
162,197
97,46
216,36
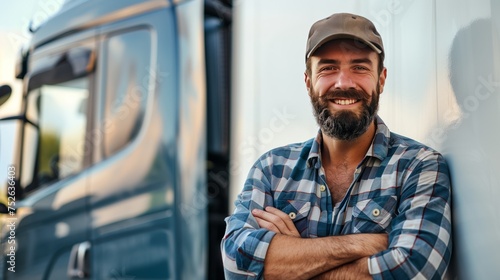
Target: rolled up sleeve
245,244
420,239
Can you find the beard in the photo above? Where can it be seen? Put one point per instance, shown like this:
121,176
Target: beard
344,125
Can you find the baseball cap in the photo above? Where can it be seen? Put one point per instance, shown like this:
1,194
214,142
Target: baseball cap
342,26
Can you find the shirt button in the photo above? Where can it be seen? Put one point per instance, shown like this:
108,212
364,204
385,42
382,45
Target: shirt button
292,215
376,212
322,188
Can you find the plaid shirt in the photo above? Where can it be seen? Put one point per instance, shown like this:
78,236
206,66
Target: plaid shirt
401,188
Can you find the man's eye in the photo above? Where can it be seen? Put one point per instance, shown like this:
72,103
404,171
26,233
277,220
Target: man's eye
360,68
327,68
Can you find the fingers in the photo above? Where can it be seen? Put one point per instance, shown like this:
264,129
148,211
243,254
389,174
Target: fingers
271,221
276,221
283,216
267,225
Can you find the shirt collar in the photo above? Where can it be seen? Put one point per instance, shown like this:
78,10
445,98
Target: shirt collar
378,148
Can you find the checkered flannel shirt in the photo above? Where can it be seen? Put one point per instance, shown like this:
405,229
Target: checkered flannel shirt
401,188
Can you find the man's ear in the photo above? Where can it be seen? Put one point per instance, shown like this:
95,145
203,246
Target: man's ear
381,79
307,80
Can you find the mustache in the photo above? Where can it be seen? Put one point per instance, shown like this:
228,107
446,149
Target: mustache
348,94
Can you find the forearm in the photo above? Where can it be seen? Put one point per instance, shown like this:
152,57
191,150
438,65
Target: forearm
356,270
303,258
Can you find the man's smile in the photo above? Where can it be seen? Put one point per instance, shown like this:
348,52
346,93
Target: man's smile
345,101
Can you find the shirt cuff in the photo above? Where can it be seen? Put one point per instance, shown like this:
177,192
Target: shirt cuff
252,252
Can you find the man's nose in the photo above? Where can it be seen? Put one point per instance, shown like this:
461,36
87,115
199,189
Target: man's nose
344,81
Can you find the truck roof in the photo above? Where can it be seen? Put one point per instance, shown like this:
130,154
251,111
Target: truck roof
78,15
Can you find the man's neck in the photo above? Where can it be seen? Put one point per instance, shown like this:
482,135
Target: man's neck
336,152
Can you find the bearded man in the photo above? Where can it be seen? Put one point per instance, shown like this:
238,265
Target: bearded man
355,202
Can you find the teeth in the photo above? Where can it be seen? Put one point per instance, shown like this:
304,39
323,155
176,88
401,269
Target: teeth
345,101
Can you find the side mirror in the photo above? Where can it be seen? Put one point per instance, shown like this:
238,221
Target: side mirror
5,92
3,209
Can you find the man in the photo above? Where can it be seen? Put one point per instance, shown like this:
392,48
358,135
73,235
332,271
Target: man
356,202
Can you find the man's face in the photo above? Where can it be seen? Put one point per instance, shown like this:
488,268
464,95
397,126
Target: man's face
344,86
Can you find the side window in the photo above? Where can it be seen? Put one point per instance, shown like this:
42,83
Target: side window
55,130
128,76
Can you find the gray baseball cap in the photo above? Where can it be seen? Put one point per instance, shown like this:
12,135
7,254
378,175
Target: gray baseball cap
344,26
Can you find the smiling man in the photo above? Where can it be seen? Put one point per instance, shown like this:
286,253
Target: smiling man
355,202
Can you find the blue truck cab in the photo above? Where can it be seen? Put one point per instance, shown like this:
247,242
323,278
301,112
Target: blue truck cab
121,160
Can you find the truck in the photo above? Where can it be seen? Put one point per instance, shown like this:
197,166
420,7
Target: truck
117,89
141,118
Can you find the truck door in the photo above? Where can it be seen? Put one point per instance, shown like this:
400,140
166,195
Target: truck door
52,199
133,213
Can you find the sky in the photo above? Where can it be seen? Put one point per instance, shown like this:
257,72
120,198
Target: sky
15,18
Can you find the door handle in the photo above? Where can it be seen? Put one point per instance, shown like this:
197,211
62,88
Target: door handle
78,266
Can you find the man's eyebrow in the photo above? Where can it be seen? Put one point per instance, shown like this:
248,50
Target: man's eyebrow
361,61
328,61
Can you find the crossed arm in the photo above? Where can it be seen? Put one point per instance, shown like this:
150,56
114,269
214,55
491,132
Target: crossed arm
335,257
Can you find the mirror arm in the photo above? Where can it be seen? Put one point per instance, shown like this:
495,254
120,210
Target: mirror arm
19,117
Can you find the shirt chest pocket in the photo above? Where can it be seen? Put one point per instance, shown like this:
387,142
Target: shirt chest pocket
373,215
298,211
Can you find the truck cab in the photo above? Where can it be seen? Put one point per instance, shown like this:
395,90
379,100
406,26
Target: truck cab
120,167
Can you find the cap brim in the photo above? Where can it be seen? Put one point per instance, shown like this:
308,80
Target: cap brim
343,36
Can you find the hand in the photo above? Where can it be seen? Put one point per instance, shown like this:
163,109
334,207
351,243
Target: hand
275,220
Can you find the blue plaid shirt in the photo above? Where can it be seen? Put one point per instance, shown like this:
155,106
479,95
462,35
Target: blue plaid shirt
401,188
